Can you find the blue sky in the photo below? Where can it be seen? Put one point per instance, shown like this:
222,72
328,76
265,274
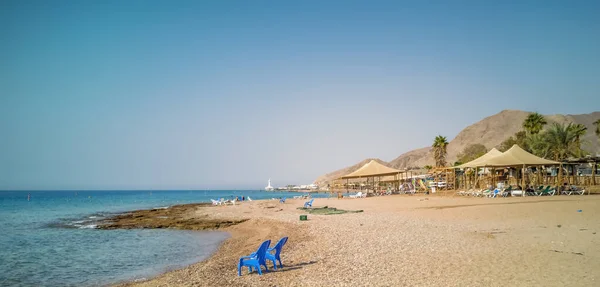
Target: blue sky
226,94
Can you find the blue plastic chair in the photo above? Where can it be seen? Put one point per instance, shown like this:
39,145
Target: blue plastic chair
255,259
277,248
308,203
495,193
282,200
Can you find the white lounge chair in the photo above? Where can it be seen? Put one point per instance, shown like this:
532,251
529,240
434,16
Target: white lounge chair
482,193
358,195
464,192
216,202
573,190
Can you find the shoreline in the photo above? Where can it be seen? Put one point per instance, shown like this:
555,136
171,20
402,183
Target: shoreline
201,217
397,238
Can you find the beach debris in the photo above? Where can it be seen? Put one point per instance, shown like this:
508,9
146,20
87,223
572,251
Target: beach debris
559,226
579,210
575,253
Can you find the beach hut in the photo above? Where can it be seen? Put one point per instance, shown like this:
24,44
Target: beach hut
373,169
476,163
516,157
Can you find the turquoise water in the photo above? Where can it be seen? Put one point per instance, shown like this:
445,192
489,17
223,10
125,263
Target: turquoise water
50,240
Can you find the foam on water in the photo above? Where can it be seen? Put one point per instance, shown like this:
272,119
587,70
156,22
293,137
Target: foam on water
52,241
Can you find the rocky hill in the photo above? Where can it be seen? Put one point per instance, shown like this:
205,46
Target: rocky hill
490,132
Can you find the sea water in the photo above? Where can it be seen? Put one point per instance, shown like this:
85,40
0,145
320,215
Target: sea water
51,240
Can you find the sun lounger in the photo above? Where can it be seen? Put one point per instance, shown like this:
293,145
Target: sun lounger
573,190
282,200
516,192
486,193
482,193
358,195
507,191
547,191
276,256
249,199
494,193
532,192
255,260
543,189
461,192
308,203
216,202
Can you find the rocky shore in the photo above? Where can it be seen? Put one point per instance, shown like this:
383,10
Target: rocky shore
175,217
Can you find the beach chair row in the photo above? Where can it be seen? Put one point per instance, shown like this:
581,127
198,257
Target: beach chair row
223,201
539,191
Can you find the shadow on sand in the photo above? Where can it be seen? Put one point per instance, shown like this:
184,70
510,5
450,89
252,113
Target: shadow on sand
291,267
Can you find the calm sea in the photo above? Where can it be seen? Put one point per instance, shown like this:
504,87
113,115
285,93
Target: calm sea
50,240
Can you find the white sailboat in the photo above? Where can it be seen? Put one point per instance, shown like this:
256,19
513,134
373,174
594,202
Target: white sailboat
269,187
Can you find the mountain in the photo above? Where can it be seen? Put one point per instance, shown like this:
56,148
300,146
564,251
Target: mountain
490,132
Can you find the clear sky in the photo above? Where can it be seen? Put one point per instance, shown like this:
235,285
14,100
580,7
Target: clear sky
226,94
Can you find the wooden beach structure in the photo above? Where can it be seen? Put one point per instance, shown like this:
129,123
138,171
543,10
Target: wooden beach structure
515,167
374,173
515,159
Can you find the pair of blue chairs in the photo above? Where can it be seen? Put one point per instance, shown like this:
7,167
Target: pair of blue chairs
260,257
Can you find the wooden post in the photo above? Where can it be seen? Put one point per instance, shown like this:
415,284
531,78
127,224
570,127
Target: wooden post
347,182
523,181
594,166
573,172
494,178
476,176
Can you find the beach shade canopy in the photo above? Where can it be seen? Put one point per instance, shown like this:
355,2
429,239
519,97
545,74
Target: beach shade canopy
516,156
477,162
372,168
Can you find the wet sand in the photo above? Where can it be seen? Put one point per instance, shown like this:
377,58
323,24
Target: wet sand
402,240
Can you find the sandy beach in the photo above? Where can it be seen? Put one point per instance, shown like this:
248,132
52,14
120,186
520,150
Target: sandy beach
402,240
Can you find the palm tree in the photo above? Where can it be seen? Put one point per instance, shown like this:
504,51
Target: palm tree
579,131
597,124
534,123
562,141
538,144
439,150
